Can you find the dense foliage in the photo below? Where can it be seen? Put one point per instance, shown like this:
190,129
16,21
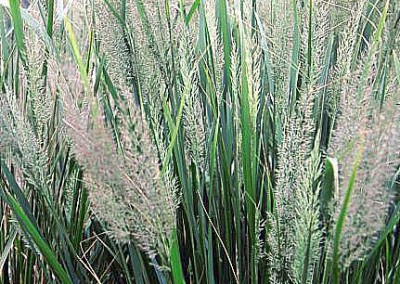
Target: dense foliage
200,141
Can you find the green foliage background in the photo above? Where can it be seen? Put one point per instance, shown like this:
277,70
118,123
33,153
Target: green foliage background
201,141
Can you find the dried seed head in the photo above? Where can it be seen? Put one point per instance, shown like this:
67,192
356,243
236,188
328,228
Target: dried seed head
363,124
17,136
125,185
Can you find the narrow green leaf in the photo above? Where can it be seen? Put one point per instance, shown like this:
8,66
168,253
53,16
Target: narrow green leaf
382,20
76,53
43,247
176,266
330,185
342,217
7,248
15,12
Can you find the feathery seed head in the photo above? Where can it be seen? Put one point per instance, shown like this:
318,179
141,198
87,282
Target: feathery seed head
125,185
18,136
193,118
363,123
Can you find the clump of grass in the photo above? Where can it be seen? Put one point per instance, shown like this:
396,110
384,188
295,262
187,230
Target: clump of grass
228,141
